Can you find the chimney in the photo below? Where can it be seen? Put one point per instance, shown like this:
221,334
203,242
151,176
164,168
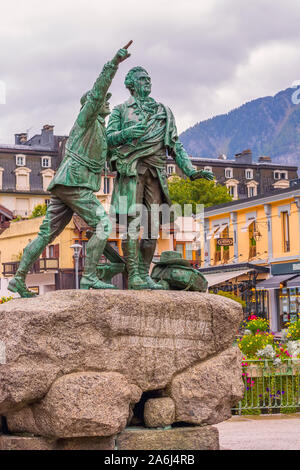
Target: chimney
47,128
222,157
245,157
21,139
47,134
265,159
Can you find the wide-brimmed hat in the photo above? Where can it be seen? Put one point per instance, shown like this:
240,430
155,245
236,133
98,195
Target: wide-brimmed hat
84,97
172,257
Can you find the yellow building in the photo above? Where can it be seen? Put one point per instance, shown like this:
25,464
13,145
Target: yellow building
248,241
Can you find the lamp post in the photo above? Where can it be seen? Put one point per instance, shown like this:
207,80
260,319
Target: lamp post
77,249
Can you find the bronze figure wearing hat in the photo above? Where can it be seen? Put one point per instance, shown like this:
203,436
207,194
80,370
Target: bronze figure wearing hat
73,187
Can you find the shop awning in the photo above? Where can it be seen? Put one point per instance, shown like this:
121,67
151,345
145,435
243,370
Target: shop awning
274,282
219,278
211,233
247,225
294,282
220,230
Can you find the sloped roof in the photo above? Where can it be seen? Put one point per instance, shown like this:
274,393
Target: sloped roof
6,212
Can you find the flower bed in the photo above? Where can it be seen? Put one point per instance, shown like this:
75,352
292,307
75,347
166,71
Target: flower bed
5,299
271,371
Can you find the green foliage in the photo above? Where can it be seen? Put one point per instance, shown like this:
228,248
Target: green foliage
294,331
250,344
257,325
39,211
4,299
17,219
231,296
201,191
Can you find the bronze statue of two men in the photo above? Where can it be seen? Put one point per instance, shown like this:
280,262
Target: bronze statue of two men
139,135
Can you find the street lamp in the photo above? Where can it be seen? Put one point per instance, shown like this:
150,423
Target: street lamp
77,249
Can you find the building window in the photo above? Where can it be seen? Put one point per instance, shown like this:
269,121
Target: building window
252,239
208,168
222,253
1,177
189,251
180,248
232,186
171,169
22,207
280,175
22,179
47,176
251,191
285,220
46,162
20,160
228,173
53,251
106,189
249,174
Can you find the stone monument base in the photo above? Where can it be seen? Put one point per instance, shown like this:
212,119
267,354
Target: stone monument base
126,370
179,438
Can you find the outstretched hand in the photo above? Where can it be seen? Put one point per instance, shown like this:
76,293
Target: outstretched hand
136,131
122,54
207,175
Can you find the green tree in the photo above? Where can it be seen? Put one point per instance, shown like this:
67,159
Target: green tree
39,211
201,191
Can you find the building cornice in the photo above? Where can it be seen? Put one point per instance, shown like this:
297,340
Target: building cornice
289,193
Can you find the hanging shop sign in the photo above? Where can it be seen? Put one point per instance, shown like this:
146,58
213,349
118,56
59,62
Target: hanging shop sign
225,241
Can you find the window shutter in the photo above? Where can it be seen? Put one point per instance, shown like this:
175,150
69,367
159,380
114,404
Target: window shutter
56,251
44,254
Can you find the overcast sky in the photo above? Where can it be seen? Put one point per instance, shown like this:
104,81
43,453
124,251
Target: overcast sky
205,58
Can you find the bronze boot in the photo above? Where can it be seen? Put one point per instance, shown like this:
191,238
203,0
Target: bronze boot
30,255
146,253
130,250
89,278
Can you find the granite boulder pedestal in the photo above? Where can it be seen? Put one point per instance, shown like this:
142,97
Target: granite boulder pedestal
118,370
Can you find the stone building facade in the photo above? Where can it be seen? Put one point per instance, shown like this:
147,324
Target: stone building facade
243,176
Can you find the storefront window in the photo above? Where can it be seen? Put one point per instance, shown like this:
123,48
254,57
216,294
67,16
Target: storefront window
189,251
256,302
289,305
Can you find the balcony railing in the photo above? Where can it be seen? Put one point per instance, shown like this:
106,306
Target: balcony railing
41,265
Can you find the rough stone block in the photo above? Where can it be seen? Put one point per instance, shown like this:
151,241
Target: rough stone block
26,443
159,412
206,392
181,438
86,443
78,405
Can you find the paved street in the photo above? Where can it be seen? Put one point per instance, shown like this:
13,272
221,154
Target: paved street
266,432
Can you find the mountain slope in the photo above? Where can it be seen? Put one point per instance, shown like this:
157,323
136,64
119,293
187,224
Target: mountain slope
269,126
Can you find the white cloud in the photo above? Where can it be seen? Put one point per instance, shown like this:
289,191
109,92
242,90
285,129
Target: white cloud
204,57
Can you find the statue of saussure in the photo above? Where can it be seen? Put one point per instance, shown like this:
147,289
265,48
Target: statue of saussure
73,187
140,133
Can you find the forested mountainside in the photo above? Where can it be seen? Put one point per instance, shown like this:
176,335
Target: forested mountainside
268,126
